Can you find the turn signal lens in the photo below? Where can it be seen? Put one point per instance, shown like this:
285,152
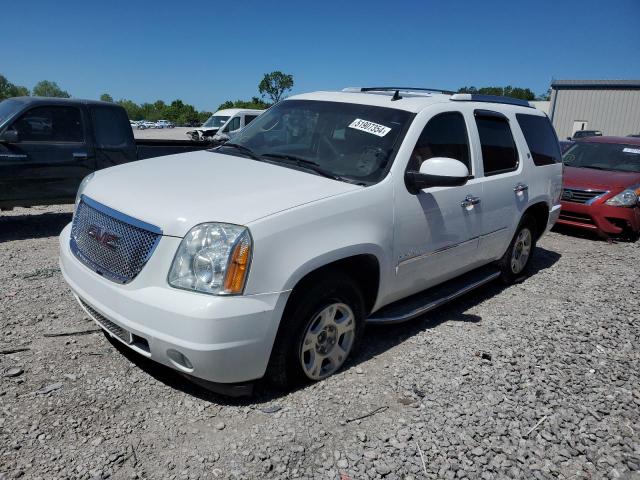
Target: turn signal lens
238,265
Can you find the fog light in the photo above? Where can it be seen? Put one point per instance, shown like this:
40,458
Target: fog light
179,360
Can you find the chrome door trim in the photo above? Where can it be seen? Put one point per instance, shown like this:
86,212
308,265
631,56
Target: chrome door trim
447,247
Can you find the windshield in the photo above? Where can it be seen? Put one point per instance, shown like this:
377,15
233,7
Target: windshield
347,141
604,156
215,121
8,108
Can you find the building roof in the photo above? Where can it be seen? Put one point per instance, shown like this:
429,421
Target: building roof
559,84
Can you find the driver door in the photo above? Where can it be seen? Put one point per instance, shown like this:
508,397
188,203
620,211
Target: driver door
50,158
437,229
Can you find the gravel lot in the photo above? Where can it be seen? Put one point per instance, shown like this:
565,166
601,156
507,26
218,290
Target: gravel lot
538,380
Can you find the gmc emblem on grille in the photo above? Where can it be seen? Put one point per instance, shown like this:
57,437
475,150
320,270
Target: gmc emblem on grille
103,236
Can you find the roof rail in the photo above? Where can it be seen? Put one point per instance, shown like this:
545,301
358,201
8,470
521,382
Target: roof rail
475,97
397,89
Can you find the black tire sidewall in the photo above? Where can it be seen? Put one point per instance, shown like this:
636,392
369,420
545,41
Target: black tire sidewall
308,303
508,276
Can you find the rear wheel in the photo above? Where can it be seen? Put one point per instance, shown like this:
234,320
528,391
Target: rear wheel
319,330
515,262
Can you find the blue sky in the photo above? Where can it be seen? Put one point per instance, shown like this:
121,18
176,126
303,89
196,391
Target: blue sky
207,52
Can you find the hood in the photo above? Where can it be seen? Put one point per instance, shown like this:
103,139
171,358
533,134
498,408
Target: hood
177,192
598,179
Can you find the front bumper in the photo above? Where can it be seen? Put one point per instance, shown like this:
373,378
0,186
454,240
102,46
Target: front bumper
224,339
603,219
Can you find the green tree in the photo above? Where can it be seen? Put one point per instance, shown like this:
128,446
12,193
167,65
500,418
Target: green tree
508,91
46,88
133,109
275,84
255,104
8,89
105,97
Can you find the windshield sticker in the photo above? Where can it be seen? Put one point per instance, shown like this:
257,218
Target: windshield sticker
370,127
631,150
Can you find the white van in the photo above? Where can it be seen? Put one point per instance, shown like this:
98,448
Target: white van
224,124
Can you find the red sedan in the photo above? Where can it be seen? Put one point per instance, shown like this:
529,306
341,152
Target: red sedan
601,187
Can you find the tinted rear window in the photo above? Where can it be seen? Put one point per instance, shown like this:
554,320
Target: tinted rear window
112,128
541,139
499,154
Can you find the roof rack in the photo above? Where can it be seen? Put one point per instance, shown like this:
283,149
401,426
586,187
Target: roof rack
475,97
406,89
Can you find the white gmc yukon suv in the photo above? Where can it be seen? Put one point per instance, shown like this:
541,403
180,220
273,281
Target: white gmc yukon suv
267,256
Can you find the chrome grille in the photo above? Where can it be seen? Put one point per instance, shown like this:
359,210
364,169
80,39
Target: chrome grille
107,324
579,195
112,244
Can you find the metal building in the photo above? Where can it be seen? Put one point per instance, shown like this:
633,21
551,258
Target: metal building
611,106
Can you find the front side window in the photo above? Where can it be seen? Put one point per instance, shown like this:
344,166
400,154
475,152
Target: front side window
111,128
499,153
234,124
445,135
541,139
616,157
349,142
50,124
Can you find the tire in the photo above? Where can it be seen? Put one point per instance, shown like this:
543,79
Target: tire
303,351
514,264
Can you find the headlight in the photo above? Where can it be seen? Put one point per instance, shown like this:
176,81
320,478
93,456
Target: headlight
627,198
213,258
83,184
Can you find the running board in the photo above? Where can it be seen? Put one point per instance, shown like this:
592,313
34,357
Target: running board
425,301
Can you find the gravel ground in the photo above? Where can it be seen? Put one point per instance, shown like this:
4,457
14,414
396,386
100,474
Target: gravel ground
538,380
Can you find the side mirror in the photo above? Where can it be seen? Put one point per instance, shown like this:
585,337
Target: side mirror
437,172
9,136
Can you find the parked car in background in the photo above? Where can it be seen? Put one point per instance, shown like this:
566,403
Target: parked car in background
48,145
137,125
224,124
165,124
601,186
147,124
267,255
585,134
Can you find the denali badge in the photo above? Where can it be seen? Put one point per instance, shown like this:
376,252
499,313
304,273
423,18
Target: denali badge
103,236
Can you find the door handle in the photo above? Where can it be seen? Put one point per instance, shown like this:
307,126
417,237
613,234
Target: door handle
80,156
469,201
520,188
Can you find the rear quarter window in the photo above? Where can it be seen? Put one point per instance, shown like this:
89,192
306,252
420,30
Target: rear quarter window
112,127
541,139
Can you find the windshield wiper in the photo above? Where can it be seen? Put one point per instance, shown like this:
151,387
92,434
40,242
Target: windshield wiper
308,164
246,150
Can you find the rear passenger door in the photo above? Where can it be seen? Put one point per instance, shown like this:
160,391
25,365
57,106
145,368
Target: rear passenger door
52,154
504,194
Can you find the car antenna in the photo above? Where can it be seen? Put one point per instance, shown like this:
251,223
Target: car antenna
396,96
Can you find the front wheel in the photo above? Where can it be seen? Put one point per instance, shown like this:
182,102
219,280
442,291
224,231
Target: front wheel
319,330
516,261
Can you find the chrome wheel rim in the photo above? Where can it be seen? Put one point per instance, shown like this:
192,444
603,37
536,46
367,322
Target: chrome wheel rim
521,251
328,340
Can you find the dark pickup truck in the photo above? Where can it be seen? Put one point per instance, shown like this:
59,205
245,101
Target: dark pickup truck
48,145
